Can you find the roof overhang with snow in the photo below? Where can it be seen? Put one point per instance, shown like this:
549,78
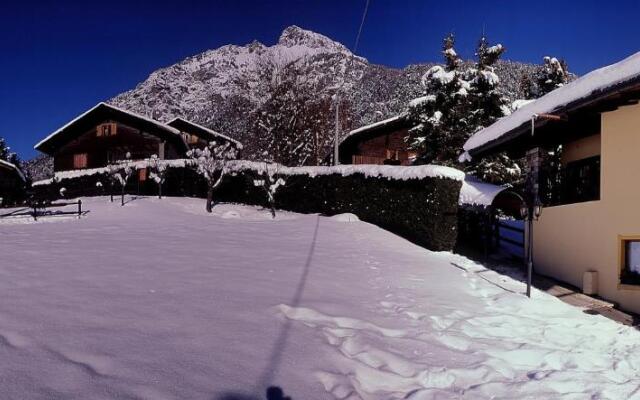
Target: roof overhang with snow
602,90
349,143
375,129
103,112
8,166
205,133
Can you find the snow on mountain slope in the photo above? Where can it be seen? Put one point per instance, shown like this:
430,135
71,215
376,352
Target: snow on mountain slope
222,88
160,300
194,84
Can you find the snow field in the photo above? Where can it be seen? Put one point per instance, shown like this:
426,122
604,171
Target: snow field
158,300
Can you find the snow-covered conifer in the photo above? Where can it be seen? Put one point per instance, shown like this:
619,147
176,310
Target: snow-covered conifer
487,104
554,74
7,155
439,118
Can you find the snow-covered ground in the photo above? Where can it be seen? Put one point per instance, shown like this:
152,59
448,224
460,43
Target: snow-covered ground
157,300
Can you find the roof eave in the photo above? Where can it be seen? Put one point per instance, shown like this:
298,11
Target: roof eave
499,143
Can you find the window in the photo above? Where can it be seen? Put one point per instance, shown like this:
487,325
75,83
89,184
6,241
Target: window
577,182
630,260
80,160
582,180
190,139
106,129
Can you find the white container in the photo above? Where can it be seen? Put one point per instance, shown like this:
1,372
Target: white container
590,282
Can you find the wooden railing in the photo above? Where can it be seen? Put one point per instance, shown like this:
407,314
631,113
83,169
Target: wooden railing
37,209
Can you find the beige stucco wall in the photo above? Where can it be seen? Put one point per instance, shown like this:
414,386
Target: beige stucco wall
582,148
574,238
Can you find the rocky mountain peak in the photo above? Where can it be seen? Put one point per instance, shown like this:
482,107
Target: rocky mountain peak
296,36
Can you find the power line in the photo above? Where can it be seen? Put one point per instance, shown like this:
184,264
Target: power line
336,140
364,16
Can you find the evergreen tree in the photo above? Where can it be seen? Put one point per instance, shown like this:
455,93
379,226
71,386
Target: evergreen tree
7,155
487,104
527,87
554,74
439,118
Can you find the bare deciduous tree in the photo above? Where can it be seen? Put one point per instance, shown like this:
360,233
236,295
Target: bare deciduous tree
158,172
212,163
270,181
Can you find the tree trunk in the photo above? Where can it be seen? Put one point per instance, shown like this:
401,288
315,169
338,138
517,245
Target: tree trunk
209,199
159,190
122,198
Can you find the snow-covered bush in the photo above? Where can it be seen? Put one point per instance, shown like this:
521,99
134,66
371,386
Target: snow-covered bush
121,173
270,182
157,172
212,163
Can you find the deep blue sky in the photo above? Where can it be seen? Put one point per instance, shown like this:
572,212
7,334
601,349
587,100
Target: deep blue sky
58,58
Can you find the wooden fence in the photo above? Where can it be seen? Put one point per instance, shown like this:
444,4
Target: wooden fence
42,209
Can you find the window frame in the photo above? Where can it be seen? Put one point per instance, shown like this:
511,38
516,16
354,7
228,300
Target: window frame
626,281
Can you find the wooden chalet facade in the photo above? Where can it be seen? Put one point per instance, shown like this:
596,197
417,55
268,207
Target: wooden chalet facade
380,143
106,134
12,183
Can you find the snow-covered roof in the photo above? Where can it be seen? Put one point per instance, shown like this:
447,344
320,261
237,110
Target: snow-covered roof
374,126
594,85
175,123
105,106
13,167
474,192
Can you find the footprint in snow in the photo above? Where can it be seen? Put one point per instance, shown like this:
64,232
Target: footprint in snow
14,340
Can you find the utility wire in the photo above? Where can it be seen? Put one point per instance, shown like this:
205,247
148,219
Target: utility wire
364,17
336,139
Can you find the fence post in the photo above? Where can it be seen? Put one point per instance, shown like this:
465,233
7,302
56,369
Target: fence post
79,208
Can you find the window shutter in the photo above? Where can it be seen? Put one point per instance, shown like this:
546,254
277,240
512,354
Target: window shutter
80,160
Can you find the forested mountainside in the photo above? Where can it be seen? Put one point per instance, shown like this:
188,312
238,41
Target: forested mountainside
249,91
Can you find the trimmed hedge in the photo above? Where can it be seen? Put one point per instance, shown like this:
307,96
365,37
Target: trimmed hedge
423,210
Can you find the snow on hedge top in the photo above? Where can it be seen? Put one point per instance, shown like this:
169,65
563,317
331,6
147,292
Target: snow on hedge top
138,164
594,81
371,171
374,171
474,192
13,167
